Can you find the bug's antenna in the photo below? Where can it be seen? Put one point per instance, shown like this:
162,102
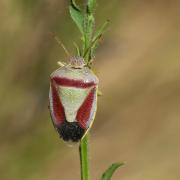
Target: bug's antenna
61,44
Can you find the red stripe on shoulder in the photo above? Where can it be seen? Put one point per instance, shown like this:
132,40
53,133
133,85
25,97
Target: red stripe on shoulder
84,111
72,82
58,109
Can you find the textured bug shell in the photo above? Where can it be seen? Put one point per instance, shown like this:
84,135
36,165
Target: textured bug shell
73,101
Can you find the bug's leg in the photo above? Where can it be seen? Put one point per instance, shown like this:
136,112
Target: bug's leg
61,64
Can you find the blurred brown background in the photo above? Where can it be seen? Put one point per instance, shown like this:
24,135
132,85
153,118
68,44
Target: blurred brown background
138,65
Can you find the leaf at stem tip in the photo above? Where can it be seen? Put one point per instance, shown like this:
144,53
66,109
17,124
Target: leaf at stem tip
91,6
73,3
109,172
77,17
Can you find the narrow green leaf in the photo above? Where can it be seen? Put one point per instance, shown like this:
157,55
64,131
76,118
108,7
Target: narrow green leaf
77,17
91,46
109,172
77,49
97,37
73,3
101,30
91,6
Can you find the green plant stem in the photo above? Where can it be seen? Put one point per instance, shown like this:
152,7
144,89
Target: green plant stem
84,143
85,21
84,158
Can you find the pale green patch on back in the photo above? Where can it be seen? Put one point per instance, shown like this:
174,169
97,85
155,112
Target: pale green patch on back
72,98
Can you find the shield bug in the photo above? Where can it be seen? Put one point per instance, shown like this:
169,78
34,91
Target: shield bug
73,99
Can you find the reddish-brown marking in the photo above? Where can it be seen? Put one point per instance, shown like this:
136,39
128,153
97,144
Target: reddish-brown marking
58,109
84,111
73,83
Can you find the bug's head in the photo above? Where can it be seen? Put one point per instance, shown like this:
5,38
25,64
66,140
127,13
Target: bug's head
77,62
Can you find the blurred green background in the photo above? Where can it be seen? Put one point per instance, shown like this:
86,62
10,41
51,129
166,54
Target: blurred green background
138,64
